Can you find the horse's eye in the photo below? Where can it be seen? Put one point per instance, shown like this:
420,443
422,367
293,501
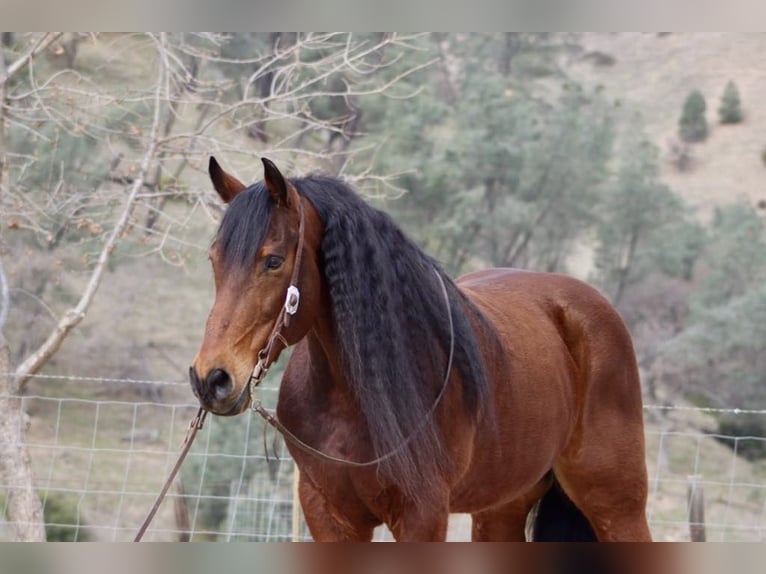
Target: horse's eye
273,262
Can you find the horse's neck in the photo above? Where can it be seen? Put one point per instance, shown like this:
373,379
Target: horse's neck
324,352
324,384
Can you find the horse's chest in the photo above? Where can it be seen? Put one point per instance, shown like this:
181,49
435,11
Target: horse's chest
326,430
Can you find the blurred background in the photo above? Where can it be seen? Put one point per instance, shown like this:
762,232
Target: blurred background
634,161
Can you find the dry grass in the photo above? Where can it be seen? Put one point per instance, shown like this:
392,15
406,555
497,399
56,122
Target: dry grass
734,488
653,74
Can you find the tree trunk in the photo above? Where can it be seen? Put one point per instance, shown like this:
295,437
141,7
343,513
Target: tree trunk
625,269
25,511
447,86
510,48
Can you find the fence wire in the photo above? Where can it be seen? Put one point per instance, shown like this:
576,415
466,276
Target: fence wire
101,454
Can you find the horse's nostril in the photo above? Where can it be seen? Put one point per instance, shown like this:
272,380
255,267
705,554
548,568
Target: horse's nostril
220,383
194,379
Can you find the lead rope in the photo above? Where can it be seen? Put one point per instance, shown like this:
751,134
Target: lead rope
194,426
273,421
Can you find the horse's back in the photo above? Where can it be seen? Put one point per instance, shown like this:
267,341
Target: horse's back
578,312
547,290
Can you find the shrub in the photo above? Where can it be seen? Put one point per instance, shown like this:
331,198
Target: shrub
63,522
692,127
730,110
744,426
680,154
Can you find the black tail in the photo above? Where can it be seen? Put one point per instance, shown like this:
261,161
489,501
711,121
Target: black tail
557,519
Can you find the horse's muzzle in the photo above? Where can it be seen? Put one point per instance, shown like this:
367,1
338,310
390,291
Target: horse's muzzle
215,392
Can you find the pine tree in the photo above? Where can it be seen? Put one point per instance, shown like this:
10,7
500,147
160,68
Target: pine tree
692,127
730,110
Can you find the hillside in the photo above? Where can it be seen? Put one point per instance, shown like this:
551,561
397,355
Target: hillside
648,72
654,73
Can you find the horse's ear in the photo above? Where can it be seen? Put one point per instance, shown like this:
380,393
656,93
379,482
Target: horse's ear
225,184
275,182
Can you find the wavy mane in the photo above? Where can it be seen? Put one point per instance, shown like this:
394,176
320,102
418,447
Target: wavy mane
391,321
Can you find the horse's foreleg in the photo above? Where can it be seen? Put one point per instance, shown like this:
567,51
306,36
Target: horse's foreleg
421,525
328,522
500,525
507,523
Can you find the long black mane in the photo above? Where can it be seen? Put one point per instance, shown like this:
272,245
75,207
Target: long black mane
391,320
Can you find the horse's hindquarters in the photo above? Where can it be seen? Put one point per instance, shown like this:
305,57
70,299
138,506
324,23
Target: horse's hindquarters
568,399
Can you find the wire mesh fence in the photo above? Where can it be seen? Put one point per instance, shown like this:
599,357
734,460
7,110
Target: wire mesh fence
102,448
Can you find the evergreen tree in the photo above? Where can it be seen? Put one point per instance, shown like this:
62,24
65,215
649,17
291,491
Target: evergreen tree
692,127
718,359
730,110
643,226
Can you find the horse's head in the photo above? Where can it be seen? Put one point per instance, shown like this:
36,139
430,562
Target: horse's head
253,257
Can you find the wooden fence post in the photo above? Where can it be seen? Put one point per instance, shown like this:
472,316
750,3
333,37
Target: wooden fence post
296,506
696,498
181,512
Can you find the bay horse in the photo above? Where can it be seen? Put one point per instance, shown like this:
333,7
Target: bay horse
495,394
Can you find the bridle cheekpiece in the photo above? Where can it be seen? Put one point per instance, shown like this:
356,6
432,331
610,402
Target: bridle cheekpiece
266,355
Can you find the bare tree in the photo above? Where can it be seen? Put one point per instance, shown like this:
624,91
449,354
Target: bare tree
93,155
29,510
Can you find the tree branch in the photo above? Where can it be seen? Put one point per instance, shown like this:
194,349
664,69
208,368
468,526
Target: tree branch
45,40
75,315
4,297
6,74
